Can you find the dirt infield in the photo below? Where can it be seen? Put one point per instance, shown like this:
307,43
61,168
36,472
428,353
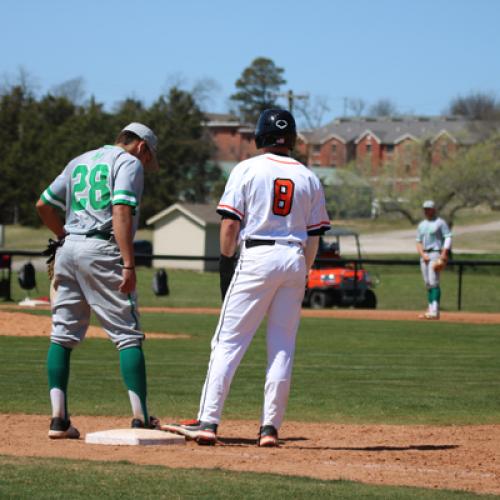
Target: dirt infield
359,314
452,457
362,314
21,324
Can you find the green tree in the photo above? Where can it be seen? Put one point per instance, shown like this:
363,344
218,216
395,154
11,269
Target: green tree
127,111
257,88
184,153
39,137
348,195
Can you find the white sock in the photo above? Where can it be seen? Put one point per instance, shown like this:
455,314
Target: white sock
135,402
58,400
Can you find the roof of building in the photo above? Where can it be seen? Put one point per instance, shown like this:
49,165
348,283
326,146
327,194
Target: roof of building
203,214
221,117
391,130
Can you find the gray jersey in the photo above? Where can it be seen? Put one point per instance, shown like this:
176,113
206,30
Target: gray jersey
434,234
91,184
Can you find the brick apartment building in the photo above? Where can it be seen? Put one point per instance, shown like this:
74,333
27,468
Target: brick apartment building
372,140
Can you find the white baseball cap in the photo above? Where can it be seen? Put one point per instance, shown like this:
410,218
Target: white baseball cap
428,204
147,135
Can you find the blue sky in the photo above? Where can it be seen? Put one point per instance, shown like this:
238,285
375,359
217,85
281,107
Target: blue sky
419,53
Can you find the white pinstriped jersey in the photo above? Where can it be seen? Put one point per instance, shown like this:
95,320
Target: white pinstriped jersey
91,184
275,197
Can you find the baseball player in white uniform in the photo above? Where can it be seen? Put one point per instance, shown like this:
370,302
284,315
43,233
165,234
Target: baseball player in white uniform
273,209
100,191
433,246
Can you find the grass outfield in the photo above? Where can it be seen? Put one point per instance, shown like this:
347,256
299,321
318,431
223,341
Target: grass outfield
400,287
52,478
346,371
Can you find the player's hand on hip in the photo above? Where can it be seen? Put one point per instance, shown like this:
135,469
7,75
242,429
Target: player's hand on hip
129,280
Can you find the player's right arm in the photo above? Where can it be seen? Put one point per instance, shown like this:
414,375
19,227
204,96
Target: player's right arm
420,247
51,218
52,200
229,231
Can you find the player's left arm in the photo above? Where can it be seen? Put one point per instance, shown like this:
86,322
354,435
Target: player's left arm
447,241
318,221
311,250
123,232
127,192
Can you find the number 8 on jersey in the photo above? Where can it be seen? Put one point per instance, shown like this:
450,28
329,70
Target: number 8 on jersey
283,196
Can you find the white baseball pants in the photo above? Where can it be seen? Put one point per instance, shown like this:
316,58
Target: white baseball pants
431,277
268,279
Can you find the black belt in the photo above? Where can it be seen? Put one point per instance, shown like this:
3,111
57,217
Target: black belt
257,243
431,250
101,235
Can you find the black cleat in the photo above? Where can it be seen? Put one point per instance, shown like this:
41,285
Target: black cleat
203,433
137,423
61,428
268,437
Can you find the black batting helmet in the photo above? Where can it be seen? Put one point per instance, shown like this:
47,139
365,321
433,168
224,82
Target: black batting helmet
275,127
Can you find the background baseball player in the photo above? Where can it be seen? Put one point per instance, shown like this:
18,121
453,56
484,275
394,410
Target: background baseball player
275,208
94,270
433,245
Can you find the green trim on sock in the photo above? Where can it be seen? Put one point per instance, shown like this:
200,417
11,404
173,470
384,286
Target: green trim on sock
58,363
133,370
429,295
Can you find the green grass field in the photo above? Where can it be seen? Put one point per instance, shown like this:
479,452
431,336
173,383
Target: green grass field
400,287
50,478
346,371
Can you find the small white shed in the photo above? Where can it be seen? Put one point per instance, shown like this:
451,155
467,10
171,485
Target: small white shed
186,229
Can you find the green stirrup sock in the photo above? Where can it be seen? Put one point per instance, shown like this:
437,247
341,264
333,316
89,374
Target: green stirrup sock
437,294
430,295
434,294
133,369
58,361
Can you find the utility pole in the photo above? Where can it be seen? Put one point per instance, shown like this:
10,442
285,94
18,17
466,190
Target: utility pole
290,96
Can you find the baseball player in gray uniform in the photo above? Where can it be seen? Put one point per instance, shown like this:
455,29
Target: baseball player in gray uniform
433,246
273,208
100,191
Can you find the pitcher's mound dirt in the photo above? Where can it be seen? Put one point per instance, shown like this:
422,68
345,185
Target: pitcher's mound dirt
441,457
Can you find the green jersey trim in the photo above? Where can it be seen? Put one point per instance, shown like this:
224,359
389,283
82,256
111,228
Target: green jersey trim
125,199
51,199
121,201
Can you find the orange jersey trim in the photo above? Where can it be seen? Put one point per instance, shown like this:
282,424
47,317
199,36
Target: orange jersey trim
322,223
232,209
284,162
